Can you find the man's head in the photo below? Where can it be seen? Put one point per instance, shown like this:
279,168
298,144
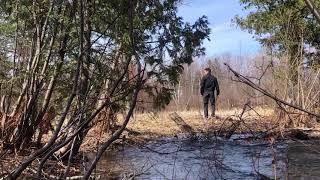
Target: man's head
207,71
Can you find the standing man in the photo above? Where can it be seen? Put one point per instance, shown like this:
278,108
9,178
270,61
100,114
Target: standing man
208,85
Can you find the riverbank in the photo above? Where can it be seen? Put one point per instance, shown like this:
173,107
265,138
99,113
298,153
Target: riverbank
150,126
162,150
147,127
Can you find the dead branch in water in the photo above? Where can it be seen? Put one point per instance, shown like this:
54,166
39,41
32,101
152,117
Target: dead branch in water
248,82
182,124
236,125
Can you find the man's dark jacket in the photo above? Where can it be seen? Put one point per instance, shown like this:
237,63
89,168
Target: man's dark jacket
209,83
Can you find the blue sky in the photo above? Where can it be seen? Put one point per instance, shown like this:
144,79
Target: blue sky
225,36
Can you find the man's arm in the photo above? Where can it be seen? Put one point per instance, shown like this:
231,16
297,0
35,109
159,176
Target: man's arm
217,86
202,86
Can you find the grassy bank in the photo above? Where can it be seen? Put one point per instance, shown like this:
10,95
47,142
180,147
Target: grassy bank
162,124
150,126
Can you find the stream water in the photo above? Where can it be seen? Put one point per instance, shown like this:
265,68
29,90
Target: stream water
212,158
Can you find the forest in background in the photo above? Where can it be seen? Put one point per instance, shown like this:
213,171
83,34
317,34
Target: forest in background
66,66
268,71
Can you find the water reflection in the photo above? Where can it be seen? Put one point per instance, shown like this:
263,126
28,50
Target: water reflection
303,160
211,158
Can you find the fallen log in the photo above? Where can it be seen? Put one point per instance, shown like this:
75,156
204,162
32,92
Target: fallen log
186,128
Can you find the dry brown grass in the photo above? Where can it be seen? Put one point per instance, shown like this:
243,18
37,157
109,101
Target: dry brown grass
161,124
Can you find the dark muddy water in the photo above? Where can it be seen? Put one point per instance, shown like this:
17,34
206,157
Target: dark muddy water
212,158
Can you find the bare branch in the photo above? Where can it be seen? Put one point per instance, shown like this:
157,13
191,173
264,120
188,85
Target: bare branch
248,82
